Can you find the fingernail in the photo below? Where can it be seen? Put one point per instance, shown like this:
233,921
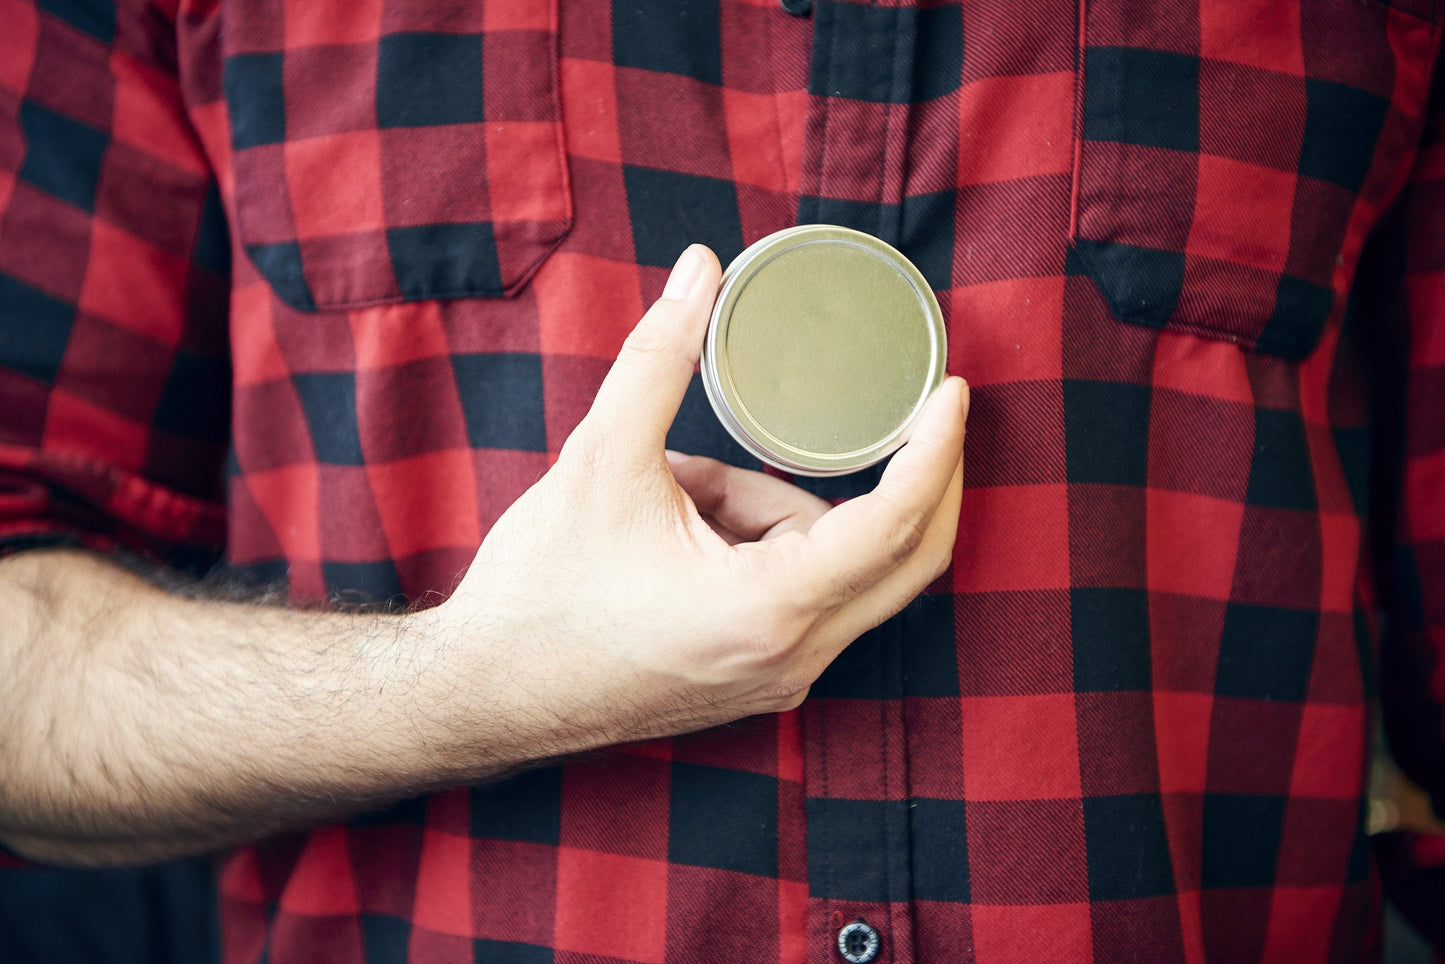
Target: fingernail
684,275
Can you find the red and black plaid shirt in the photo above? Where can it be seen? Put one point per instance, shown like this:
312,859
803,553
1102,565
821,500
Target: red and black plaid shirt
1206,345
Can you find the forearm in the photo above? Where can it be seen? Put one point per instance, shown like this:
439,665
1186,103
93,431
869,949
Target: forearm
136,724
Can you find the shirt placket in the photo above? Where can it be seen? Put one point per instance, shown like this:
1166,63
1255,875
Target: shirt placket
856,774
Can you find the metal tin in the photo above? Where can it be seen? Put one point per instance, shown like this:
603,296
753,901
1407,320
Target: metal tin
823,346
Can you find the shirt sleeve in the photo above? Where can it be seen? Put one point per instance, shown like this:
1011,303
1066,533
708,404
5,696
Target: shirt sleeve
114,268
1404,326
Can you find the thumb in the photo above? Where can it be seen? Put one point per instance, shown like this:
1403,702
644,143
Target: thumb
640,396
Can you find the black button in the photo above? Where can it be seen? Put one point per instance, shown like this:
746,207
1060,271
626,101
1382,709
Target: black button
858,942
798,8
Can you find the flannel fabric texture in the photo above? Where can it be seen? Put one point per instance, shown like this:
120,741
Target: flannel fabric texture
317,288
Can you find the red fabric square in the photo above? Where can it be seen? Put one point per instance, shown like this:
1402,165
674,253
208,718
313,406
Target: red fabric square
148,118
1117,746
1252,744
396,334
1143,196
263,195
335,184
753,140
1317,838
1108,538
1295,916
1426,292
597,900
1020,747
22,24
1242,213
1006,331
330,90
1197,444
71,73
134,284
1335,672
517,15
1203,368
1057,932
361,538
409,409
1184,638
515,890
1192,543
572,382
736,911
1424,473
617,804
419,190
343,270
1251,115
115,368
502,477
1340,548
1260,33
418,498
1023,643
80,428
935,745
1284,552
1330,756
589,96
321,882
995,553
519,80
845,729
1181,730
526,178
318,22
672,122
592,311
1015,127
286,498
435,16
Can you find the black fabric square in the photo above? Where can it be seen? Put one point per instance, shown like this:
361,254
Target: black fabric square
255,99
1280,476
528,807
429,79
1266,652
850,856
502,401
212,249
842,486
726,819
871,668
1142,285
196,400
1241,840
697,431
1127,847
1144,97
1106,432
1342,126
411,812
927,234
670,211
280,265
1110,629
667,36
445,261
938,59
372,584
1298,320
862,52
384,938
259,578
62,156
329,400
35,330
940,849
930,654
95,17
506,952
883,221
1354,448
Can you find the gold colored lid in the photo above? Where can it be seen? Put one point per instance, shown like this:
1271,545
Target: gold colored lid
823,346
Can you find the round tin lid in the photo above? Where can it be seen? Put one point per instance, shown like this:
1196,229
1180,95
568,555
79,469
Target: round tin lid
823,346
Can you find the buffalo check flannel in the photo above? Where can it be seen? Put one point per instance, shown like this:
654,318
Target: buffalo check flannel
316,288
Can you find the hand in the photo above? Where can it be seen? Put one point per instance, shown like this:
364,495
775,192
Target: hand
634,593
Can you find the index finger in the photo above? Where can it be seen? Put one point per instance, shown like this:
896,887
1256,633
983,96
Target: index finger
857,544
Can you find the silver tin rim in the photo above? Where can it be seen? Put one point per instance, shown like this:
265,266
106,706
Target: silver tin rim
722,394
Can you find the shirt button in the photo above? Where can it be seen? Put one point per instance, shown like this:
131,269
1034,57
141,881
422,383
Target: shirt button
798,8
858,942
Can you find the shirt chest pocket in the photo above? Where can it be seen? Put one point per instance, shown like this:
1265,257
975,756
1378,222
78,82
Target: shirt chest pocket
1235,154
414,159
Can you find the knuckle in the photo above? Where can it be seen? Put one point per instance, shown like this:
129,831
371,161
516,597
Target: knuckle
906,538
